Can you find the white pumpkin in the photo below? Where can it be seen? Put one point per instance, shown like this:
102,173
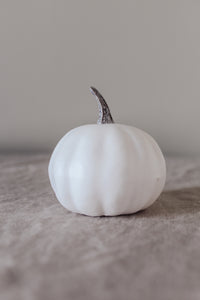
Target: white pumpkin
107,169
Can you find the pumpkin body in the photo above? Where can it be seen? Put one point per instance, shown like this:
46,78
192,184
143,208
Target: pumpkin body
108,169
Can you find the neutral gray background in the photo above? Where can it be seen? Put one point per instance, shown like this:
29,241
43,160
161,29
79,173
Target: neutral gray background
144,56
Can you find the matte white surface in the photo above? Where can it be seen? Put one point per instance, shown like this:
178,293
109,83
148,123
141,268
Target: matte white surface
143,56
107,169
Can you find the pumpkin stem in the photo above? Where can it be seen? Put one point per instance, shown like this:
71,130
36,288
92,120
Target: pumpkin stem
105,116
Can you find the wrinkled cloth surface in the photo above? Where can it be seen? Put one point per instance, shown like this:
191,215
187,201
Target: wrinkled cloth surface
49,253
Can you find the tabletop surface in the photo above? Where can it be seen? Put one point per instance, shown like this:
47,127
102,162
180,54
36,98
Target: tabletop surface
49,253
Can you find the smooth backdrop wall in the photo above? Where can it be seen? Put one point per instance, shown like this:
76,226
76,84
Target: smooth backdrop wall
144,56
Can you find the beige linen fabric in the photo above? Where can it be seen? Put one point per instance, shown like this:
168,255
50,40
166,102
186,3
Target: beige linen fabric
49,253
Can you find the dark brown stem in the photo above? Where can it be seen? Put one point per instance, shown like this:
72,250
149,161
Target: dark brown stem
104,111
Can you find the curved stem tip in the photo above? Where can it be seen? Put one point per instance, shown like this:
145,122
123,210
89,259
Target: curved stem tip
105,116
